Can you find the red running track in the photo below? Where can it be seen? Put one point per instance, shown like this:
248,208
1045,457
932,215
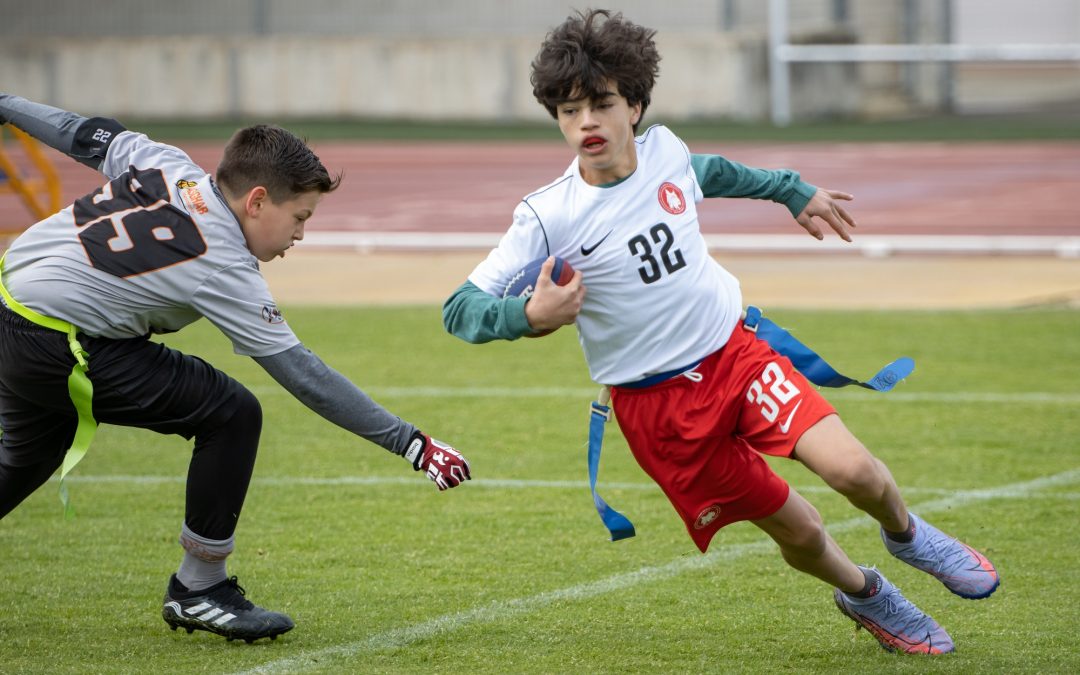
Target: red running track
1014,188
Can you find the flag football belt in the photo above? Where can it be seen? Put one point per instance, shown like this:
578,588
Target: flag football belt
805,360
80,388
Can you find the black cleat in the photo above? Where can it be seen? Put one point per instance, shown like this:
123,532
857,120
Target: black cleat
221,609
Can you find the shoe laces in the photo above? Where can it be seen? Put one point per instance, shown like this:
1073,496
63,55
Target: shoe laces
942,554
915,621
233,593
927,553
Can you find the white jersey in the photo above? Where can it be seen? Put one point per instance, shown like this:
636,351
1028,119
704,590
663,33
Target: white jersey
150,252
656,300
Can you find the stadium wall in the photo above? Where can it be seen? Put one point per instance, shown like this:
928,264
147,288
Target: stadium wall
469,59
703,75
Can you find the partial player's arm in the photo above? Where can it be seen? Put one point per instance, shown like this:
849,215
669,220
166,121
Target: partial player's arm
335,398
720,177
85,140
476,312
477,317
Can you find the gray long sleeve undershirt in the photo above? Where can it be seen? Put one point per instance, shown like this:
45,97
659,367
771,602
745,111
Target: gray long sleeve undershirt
330,394
83,139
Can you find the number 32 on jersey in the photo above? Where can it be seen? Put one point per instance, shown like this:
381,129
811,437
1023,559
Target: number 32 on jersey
670,261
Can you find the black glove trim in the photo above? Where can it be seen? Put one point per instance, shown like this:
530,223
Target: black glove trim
414,451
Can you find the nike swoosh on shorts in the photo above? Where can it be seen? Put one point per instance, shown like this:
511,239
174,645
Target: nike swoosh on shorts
786,424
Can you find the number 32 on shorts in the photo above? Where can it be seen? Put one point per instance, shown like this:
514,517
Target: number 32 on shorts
771,390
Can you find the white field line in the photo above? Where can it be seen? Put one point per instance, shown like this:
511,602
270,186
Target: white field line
504,609
477,483
589,393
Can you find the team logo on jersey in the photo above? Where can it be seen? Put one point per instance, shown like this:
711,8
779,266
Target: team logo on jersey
671,198
272,314
706,517
189,192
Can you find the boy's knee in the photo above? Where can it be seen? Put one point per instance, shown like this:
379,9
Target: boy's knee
247,405
807,541
238,407
857,474
803,532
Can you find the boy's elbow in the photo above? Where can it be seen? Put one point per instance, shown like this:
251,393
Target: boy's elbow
453,321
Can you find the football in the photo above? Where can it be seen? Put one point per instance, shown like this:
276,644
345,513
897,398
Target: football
523,283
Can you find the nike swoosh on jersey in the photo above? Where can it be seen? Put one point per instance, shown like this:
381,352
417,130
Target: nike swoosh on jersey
786,424
587,250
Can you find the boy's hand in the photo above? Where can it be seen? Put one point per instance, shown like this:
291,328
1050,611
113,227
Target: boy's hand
552,306
445,466
824,205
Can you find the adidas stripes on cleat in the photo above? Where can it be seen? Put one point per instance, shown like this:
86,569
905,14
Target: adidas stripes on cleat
898,625
962,569
221,609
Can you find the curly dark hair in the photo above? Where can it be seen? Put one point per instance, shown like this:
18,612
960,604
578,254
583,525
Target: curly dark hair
274,158
580,56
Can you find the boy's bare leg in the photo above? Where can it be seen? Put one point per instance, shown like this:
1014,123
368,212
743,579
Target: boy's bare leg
831,451
798,531
863,594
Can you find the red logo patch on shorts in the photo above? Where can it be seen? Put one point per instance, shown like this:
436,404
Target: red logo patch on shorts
706,517
671,198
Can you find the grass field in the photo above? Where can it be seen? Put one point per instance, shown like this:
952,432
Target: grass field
513,573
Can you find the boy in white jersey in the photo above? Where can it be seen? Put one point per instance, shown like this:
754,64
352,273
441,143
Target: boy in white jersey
696,394
158,247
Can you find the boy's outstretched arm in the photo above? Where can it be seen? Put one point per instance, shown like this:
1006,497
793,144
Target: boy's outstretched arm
721,177
85,140
336,399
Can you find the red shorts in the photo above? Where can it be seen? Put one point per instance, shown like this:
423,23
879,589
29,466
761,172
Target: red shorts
700,438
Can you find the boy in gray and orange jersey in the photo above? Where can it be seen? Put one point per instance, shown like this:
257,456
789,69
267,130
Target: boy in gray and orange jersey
159,246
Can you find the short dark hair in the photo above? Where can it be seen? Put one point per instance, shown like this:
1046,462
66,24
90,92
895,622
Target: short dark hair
579,56
274,158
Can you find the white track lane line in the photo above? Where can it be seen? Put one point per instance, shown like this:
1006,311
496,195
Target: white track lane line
504,609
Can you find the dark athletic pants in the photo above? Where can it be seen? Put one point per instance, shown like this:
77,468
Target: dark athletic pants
137,383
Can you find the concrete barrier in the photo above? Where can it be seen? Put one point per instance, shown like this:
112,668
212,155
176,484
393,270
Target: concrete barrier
703,75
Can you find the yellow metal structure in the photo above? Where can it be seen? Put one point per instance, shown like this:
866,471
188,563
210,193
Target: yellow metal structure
46,184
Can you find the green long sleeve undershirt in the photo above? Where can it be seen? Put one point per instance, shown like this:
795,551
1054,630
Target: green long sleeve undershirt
477,317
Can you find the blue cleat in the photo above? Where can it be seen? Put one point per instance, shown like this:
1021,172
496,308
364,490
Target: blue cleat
898,625
962,569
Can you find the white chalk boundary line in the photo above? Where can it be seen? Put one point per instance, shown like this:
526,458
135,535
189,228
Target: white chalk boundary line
504,609
419,483
589,393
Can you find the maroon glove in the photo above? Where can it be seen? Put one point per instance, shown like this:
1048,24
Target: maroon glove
444,465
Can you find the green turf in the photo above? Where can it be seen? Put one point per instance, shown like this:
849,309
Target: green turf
936,128
508,576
